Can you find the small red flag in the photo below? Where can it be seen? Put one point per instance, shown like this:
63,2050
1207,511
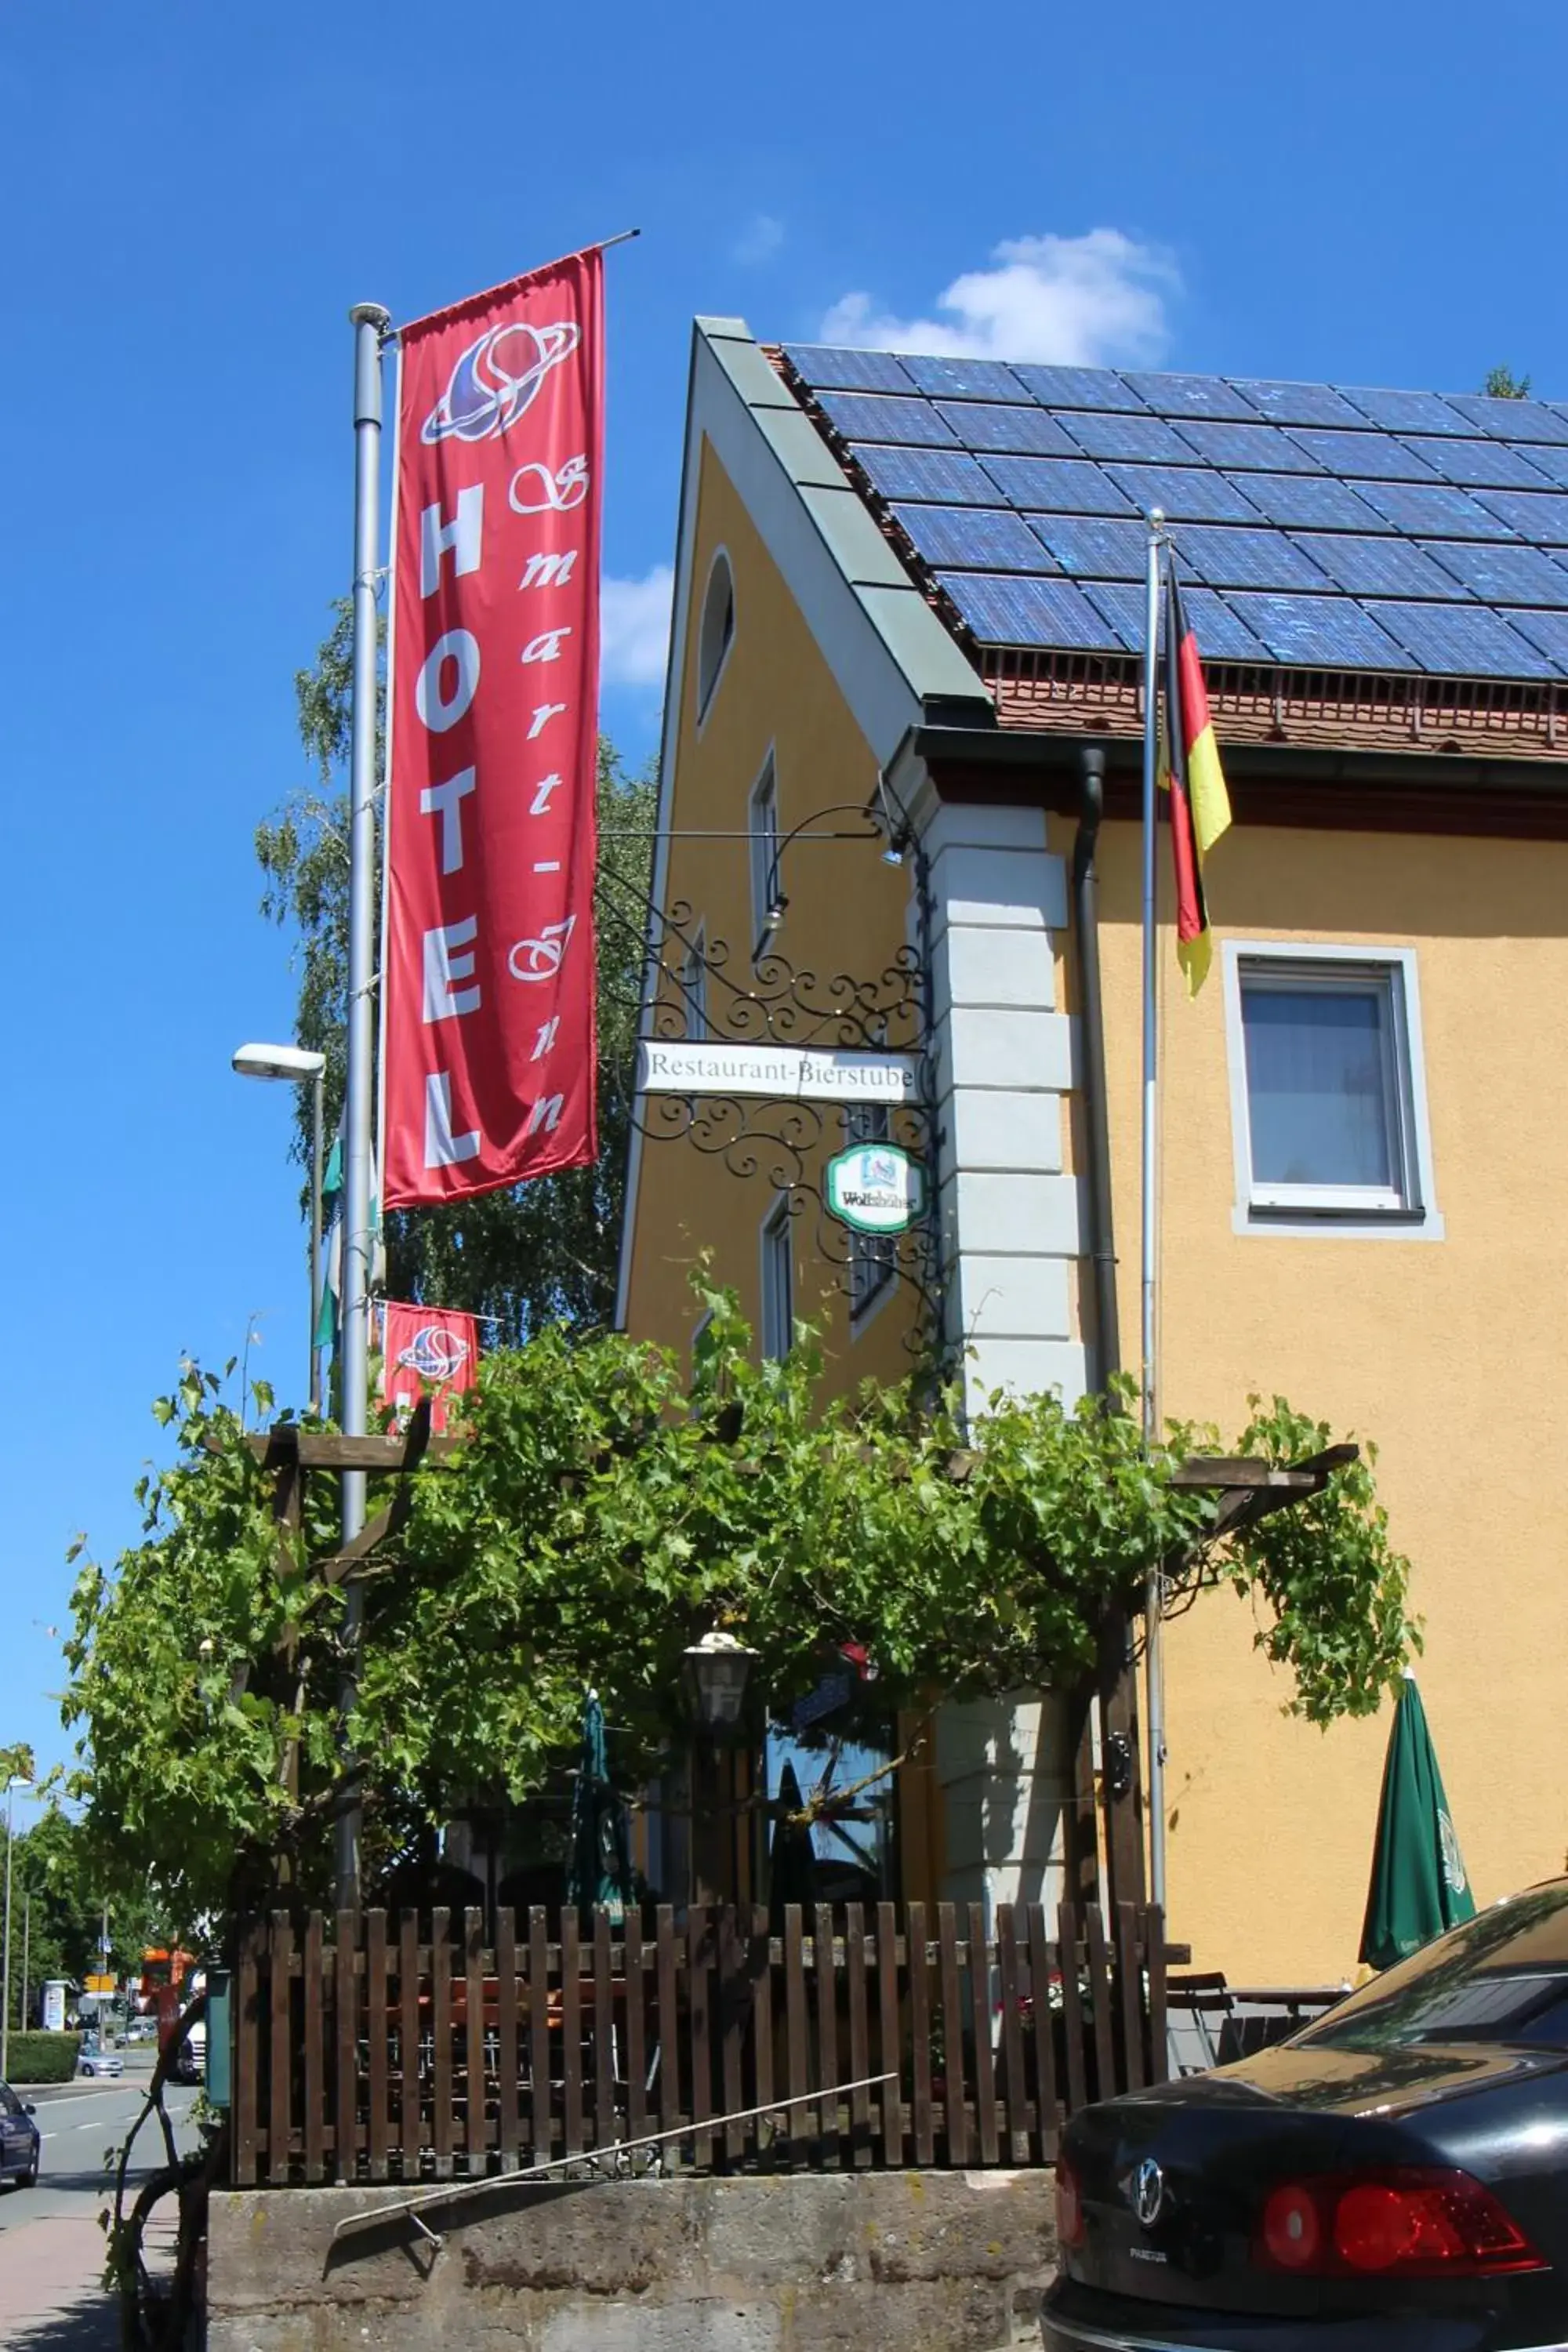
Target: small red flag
428,1352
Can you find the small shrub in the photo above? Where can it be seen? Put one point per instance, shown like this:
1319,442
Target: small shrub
43,2057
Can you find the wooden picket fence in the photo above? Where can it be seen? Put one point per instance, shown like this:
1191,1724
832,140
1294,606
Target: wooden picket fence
375,2048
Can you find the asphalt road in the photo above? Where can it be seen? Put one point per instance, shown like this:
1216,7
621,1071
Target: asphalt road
51,2248
84,2124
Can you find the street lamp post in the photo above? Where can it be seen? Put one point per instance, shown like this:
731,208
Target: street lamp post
295,1063
16,1780
714,1672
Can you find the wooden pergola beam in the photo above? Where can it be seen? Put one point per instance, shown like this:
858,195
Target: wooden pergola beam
321,1449
1244,1506
1232,1474
287,1445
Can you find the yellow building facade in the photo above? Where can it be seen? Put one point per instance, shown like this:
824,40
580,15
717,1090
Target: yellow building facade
814,675
845,908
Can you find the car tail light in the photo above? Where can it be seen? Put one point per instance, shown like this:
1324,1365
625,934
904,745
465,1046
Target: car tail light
1406,2221
1069,2206
1292,2235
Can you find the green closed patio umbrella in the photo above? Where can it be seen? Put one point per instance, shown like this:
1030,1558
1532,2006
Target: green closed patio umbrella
601,1869
1418,1885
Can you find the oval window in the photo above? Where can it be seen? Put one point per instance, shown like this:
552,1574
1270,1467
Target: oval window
717,631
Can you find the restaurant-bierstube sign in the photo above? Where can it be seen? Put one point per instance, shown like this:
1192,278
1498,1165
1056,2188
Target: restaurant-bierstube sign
785,1073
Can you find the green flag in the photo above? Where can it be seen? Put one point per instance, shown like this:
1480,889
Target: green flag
1418,1884
330,1315
332,1269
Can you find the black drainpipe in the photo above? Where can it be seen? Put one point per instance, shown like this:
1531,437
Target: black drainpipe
1091,1035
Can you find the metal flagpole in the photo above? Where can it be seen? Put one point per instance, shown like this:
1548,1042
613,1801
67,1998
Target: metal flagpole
1152,1596
5,1974
318,1085
370,324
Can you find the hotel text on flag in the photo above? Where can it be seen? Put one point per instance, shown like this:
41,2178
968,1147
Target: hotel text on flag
488,1035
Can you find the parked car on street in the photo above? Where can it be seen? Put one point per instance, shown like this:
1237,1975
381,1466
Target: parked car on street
20,2140
141,2029
191,2060
1393,2178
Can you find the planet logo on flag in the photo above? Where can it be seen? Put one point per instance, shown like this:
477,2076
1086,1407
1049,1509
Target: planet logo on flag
498,379
434,1353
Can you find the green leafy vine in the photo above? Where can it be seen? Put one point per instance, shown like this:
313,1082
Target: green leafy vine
607,1508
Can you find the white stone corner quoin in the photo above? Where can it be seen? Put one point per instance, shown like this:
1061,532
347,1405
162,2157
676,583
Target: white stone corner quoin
1004,1054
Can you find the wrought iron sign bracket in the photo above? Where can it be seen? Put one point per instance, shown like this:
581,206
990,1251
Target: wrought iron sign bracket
792,1064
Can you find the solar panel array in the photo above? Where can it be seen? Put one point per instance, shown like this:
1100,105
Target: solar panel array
1317,527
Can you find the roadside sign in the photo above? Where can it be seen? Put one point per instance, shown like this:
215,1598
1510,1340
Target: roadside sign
876,1187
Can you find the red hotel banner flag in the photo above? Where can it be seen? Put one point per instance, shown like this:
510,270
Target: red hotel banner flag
425,1348
488,1053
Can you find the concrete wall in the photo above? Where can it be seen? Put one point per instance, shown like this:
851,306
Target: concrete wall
915,2261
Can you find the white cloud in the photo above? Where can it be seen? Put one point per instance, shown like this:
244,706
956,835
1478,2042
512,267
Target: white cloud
634,628
1079,301
759,240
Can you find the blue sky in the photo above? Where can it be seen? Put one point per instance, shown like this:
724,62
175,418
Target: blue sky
194,195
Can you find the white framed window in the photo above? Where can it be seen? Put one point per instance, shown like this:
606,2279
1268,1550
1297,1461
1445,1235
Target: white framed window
1328,1091
778,1279
715,631
694,985
763,821
873,1258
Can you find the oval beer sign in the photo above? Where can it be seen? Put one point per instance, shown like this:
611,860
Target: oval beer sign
876,1187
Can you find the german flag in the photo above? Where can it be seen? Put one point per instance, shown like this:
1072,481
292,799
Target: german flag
1200,805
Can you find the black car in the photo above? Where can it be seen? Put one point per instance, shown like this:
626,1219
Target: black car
19,2140
1394,2178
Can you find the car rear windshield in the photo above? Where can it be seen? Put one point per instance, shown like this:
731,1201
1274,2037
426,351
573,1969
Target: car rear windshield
1502,1977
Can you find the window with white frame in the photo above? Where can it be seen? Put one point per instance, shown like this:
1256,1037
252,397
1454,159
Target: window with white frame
1329,1097
694,985
778,1280
873,1258
716,631
767,905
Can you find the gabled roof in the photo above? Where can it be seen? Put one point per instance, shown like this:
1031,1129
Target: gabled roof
1400,534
